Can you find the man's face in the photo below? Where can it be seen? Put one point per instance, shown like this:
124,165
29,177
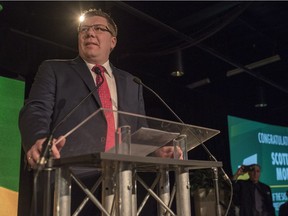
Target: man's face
254,174
95,45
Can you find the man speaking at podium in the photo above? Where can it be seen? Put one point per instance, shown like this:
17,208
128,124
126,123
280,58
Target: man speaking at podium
59,100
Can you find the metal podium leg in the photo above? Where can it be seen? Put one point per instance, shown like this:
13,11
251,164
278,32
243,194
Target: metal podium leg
62,194
163,191
108,187
124,181
182,192
125,187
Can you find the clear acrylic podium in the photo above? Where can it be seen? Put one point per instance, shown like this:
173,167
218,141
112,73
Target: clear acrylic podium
136,139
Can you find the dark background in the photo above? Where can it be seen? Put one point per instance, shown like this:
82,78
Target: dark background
203,39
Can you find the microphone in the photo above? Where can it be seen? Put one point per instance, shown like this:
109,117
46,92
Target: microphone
211,156
47,145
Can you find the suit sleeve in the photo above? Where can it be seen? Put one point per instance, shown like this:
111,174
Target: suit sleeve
35,116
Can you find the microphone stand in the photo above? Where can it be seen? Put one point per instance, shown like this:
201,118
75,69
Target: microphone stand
211,156
47,145
46,152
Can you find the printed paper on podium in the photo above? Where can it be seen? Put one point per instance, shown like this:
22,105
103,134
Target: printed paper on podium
147,140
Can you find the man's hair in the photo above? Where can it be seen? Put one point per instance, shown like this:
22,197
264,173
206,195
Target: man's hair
253,165
98,12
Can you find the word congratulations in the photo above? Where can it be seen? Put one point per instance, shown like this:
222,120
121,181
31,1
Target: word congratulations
273,139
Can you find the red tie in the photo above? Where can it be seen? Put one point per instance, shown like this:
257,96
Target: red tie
106,102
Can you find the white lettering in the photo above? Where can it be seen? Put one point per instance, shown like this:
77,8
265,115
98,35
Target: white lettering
279,158
273,139
281,174
279,197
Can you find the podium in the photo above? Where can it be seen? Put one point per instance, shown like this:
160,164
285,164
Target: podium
137,140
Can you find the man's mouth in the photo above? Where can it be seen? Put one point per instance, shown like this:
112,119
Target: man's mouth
91,43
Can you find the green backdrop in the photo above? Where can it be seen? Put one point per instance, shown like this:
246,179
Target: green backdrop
11,100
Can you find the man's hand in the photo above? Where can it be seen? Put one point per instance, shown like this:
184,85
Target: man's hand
168,152
239,172
33,155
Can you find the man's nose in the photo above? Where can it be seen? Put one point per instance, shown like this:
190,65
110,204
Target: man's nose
90,32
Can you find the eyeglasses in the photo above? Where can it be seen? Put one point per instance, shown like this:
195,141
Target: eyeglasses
97,28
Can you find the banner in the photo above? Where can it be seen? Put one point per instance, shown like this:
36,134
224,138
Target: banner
265,144
12,99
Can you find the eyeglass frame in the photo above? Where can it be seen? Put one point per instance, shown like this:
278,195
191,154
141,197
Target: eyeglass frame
100,27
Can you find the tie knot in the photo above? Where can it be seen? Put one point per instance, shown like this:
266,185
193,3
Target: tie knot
99,69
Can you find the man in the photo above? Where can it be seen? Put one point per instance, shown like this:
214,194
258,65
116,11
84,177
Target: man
61,84
253,197
59,87
283,209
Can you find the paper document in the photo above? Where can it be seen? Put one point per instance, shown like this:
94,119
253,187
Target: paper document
146,140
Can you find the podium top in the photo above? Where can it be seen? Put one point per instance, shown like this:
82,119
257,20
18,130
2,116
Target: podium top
147,132
142,164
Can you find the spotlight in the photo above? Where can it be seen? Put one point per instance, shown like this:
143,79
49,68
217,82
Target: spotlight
261,100
81,18
179,71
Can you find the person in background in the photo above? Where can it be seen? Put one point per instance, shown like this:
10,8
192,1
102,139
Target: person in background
253,197
60,85
283,210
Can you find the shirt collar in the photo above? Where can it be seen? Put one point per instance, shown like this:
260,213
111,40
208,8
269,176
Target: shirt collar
106,65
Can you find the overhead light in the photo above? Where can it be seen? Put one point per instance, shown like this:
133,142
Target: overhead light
179,71
261,98
254,65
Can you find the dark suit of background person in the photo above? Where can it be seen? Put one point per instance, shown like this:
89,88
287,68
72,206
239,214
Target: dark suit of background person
283,209
244,193
58,87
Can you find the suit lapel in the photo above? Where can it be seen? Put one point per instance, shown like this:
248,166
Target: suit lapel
83,71
121,86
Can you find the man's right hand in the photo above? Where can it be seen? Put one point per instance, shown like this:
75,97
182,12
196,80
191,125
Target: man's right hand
33,155
238,173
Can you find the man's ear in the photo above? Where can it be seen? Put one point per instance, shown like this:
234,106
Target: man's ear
113,43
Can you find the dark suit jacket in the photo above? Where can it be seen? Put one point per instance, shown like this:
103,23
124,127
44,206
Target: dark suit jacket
283,210
58,87
244,197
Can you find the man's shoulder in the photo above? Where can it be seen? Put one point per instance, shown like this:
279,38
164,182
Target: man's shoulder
120,72
263,184
60,61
